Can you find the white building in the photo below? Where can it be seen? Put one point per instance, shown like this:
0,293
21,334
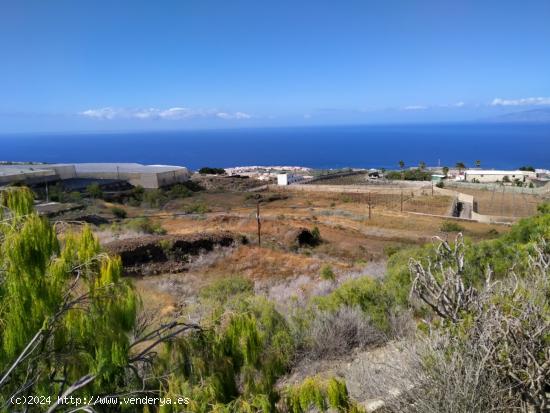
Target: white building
484,176
147,176
289,179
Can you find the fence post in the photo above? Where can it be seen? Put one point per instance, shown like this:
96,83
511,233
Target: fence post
401,200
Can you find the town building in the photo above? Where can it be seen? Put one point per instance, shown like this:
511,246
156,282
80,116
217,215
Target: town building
289,179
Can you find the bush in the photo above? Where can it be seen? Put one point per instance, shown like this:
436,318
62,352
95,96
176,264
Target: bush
154,198
450,226
179,191
197,208
336,333
222,290
94,190
365,292
499,329
212,171
327,273
119,212
316,234
440,184
146,226
410,175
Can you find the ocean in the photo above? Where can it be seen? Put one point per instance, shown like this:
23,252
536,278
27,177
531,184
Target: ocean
503,146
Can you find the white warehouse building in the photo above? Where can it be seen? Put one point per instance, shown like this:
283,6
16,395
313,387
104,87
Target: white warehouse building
147,176
486,176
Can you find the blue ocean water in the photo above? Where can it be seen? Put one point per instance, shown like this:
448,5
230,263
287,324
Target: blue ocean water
495,145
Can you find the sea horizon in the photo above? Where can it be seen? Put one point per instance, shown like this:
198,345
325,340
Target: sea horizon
496,145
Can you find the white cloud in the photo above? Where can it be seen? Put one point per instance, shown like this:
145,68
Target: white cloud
415,107
236,115
521,102
459,104
175,113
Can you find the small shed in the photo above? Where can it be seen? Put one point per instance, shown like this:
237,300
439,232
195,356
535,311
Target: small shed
437,178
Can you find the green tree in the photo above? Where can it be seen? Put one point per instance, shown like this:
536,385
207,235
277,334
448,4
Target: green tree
422,165
478,164
66,313
94,190
460,166
445,170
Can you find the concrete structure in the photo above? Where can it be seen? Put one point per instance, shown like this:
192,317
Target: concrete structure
12,174
483,176
289,179
147,176
438,177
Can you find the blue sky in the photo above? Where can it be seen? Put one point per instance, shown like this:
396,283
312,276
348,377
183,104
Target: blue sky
71,65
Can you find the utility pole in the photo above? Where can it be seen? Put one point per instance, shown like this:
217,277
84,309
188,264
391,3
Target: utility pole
259,224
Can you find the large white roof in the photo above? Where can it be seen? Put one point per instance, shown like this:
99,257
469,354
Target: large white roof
120,167
496,172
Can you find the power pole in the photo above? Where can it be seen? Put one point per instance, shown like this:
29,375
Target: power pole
258,219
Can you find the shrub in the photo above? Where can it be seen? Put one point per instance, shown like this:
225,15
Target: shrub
316,234
327,273
315,394
410,175
179,191
336,333
440,184
499,329
450,226
222,290
119,212
212,171
154,198
389,250
197,208
94,190
146,226
365,292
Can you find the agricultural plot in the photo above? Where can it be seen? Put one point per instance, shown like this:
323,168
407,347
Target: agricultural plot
504,203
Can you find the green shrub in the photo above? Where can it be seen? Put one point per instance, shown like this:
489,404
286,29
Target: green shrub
316,234
450,226
222,290
389,250
94,190
234,361
197,208
154,198
179,191
119,212
212,171
145,225
410,175
327,273
365,292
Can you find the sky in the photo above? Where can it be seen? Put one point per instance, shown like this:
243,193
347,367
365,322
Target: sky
69,65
